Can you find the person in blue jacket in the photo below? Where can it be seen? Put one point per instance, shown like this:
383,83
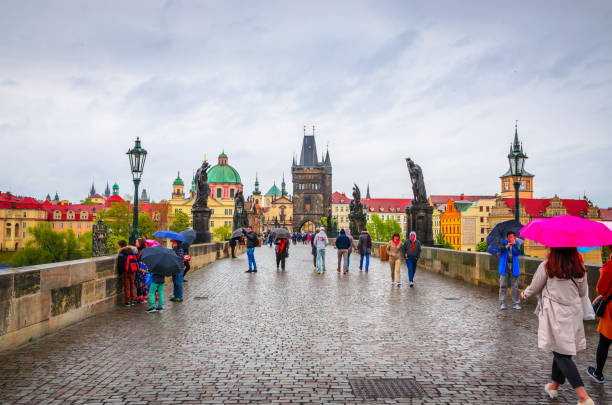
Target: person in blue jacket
509,270
343,243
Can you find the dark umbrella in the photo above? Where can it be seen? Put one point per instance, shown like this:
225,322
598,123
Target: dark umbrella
497,235
161,260
237,233
281,233
170,235
190,235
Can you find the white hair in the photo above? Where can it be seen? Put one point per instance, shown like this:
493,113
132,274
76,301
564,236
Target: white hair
412,233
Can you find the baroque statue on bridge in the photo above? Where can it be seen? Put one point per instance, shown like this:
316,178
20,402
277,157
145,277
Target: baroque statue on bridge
240,215
202,188
357,216
418,183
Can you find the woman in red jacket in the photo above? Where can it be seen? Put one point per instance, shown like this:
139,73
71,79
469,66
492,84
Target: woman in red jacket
604,287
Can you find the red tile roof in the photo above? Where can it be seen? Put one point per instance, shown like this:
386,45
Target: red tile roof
10,201
606,214
340,198
442,199
536,207
114,198
386,204
77,209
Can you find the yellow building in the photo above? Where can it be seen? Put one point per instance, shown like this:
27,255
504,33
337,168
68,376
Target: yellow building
277,207
450,225
179,202
224,182
475,223
435,221
341,209
17,216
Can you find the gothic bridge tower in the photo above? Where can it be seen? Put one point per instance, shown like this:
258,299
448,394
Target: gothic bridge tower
312,186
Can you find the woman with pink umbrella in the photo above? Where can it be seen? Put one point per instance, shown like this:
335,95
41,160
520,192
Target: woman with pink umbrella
562,281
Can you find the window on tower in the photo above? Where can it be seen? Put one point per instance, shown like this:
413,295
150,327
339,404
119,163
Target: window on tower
218,193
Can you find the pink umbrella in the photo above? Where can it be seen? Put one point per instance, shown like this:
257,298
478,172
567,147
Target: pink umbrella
567,231
151,242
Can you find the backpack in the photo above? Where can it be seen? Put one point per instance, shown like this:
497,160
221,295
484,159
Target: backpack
131,264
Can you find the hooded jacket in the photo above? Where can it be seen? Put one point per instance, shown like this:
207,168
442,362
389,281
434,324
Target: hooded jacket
365,243
122,257
321,240
342,241
252,239
407,249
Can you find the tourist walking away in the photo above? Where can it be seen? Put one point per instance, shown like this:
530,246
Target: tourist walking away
282,252
342,244
412,251
562,281
321,242
604,288
313,248
156,288
127,266
232,243
509,270
142,274
252,242
177,279
394,251
364,246
352,247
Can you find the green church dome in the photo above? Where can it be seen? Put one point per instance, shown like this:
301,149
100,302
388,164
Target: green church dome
178,181
223,174
274,191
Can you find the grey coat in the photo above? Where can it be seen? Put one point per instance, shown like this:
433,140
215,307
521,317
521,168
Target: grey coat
416,253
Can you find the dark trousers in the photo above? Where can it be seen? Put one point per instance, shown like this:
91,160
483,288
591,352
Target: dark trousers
233,247
563,366
280,259
187,268
602,352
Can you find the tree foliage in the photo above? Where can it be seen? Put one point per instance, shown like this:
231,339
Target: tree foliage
481,246
441,240
118,218
88,201
146,226
180,223
383,231
222,233
49,246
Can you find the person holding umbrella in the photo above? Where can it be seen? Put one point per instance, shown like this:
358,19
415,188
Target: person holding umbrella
282,252
503,243
252,243
177,279
161,262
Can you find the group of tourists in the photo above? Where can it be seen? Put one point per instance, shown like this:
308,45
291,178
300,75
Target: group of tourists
141,285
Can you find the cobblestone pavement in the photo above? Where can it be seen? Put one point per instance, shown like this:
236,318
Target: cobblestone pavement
295,336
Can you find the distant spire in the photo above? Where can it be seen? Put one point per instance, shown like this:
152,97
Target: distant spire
327,159
283,189
368,192
516,144
92,192
107,192
256,191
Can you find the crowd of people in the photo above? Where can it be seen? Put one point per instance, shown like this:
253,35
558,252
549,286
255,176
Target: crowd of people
560,283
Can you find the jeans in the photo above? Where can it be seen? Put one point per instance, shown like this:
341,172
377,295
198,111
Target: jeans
367,257
321,259
563,366
348,260
411,263
509,281
177,280
160,294
251,256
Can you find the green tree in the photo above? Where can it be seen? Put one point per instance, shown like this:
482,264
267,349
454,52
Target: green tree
383,231
222,233
181,222
605,254
85,244
48,240
481,246
146,226
88,201
441,240
30,256
118,218
71,246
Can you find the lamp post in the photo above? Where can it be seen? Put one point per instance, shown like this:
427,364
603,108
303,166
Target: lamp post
137,157
516,158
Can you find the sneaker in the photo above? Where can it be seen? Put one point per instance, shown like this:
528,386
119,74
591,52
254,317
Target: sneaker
127,304
159,309
185,280
173,299
516,306
592,372
412,284
151,310
503,306
393,283
319,272
551,393
398,283
249,271
255,271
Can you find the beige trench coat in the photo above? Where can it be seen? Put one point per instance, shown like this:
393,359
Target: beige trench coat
560,327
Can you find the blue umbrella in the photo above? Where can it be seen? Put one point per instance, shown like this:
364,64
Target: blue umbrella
170,235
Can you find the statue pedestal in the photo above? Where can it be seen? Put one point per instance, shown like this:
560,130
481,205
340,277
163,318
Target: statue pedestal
201,224
419,220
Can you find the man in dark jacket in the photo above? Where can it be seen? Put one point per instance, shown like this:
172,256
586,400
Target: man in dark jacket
412,252
252,241
127,265
342,243
365,248
313,248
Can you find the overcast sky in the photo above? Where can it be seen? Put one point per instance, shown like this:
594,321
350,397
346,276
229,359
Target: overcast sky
442,83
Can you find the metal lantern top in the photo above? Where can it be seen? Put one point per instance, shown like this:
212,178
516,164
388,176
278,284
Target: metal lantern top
517,158
137,156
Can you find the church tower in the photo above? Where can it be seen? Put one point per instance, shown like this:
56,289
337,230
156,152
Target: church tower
312,186
178,188
526,178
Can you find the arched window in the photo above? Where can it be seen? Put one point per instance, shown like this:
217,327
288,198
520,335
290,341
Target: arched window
57,215
84,215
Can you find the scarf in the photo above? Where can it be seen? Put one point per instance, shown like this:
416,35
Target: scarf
412,239
396,242
281,245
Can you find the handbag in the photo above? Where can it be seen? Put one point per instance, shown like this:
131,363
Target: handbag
599,305
588,312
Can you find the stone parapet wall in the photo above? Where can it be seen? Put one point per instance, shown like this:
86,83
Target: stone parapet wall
480,268
37,300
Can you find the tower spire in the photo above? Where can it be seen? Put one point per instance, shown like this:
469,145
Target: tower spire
256,191
368,192
283,188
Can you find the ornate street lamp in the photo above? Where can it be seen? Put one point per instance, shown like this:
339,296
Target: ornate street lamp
137,157
516,158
